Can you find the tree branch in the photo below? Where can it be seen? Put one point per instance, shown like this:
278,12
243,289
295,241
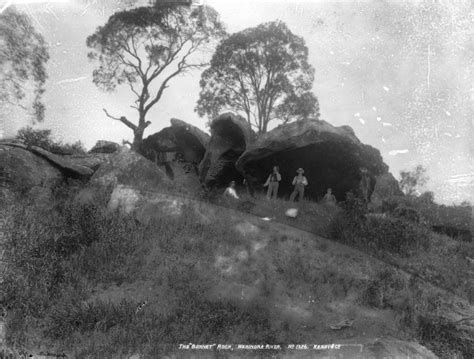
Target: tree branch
181,65
122,119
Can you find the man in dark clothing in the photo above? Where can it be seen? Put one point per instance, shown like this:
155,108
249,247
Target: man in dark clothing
273,182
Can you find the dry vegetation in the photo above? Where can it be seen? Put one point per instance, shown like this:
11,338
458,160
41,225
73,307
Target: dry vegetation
90,283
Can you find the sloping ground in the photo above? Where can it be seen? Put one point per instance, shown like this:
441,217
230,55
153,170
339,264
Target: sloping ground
206,274
308,283
446,263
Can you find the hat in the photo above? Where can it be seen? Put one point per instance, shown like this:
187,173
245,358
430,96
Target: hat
300,170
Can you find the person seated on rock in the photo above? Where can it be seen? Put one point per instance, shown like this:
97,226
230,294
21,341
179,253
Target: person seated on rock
231,192
329,198
273,182
300,182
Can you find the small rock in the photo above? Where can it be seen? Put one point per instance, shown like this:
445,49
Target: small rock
105,147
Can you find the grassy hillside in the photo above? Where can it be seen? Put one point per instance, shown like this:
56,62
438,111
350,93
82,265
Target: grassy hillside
95,284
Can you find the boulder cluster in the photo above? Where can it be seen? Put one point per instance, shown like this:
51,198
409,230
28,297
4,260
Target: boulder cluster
332,157
182,154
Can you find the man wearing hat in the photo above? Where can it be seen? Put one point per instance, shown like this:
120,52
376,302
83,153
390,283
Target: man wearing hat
300,182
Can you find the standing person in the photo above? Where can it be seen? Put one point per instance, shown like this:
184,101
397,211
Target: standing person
329,198
273,182
300,182
230,191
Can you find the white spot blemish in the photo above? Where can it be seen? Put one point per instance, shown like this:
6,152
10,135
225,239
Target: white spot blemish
71,80
386,124
397,152
386,88
362,121
374,108
357,114
379,119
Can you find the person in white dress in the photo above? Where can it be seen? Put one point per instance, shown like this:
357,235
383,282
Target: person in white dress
230,191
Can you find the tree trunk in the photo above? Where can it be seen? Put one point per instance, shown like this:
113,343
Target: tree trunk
138,134
137,141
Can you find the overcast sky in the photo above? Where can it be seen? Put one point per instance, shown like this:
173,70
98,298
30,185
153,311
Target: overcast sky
398,72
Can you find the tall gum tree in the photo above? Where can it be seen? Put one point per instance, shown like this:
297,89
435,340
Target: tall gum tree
146,47
262,73
23,56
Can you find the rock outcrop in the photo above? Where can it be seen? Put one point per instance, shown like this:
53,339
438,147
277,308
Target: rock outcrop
230,137
128,168
35,171
105,147
180,139
24,171
332,157
65,164
178,150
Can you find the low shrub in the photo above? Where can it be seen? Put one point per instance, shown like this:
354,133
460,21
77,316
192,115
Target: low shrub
42,138
442,337
385,290
395,235
398,235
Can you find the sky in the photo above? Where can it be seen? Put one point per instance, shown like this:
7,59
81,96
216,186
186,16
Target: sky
398,72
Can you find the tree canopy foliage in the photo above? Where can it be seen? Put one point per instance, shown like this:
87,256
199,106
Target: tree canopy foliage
262,73
412,180
146,47
23,55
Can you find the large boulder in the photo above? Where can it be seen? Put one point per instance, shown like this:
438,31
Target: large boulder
180,139
230,137
64,163
128,168
332,157
23,171
178,150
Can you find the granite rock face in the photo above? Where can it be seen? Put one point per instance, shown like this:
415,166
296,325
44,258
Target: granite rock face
332,157
34,170
23,171
180,139
128,168
230,137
